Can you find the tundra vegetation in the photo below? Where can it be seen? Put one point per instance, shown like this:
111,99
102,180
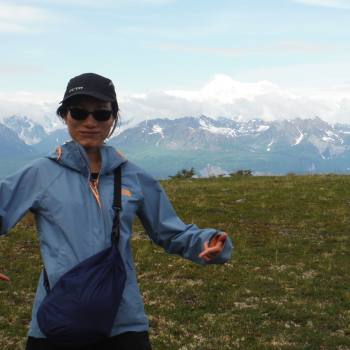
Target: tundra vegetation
286,287
184,174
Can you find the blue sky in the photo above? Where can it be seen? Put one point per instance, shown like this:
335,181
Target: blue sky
160,45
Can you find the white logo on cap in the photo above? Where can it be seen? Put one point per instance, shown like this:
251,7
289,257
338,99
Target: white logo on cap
76,89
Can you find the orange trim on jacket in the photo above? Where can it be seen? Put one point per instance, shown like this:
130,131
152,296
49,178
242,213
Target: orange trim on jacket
59,152
94,188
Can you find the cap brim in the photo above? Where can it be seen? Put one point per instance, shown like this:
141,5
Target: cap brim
101,97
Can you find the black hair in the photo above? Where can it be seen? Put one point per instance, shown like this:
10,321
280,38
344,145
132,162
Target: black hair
62,110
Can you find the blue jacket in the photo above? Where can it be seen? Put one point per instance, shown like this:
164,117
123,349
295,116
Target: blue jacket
74,220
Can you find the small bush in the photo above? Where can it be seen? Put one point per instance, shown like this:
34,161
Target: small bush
246,172
184,174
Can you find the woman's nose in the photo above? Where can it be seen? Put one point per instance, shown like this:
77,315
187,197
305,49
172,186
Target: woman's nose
90,120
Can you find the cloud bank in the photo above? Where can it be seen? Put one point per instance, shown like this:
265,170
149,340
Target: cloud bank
221,96
224,96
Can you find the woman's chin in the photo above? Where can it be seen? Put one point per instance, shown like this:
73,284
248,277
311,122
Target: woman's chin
89,144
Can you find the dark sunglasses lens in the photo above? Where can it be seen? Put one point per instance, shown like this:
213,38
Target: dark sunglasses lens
102,115
78,113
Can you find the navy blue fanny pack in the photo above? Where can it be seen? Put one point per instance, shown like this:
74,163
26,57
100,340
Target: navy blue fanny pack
81,307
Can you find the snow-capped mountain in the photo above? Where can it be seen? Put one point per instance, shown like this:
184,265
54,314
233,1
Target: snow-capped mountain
299,145
163,146
34,129
191,133
27,130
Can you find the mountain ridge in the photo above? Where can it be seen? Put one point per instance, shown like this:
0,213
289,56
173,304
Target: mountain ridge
167,145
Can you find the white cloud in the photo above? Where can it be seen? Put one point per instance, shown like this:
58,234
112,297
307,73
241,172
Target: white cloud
37,98
20,18
224,96
12,69
6,27
40,107
10,12
341,4
311,75
221,96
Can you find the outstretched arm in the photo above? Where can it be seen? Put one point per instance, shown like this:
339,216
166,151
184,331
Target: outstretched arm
18,193
167,229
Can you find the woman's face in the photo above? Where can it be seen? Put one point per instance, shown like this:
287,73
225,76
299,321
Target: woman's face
89,132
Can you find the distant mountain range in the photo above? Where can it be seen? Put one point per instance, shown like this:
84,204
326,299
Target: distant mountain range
211,146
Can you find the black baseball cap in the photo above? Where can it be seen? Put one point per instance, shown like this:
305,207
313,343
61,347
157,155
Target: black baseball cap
91,84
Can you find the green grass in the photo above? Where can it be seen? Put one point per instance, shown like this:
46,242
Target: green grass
287,286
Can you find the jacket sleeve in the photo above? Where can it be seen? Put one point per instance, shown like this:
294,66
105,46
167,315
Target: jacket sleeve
18,193
166,229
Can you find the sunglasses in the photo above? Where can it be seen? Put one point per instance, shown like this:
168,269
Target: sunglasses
100,115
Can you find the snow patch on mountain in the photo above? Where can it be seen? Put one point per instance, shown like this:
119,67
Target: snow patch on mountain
262,128
268,149
332,137
156,129
299,138
253,127
26,129
204,125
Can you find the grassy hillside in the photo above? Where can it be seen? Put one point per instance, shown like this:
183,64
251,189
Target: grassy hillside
287,286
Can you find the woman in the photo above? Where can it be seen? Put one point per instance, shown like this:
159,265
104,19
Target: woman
71,194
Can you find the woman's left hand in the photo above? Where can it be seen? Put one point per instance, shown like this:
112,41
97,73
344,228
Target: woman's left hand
4,278
213,248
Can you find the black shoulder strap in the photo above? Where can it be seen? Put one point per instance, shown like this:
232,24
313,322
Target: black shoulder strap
46,281
117,204
117,201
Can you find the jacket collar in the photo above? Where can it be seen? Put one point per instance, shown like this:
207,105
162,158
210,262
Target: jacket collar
72,155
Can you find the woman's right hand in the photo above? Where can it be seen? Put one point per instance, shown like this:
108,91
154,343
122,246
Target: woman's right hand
4,278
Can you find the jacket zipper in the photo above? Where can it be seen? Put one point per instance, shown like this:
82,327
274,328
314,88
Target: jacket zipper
94,188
